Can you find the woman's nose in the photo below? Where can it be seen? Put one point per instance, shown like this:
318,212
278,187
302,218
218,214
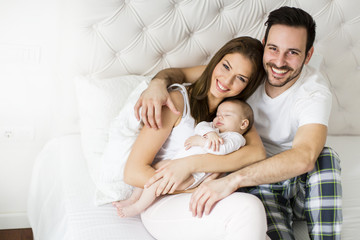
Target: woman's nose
229,79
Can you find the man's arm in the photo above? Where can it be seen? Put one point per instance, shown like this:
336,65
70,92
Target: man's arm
156,95
307,145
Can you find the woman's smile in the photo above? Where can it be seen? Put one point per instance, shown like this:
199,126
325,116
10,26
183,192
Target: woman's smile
221,87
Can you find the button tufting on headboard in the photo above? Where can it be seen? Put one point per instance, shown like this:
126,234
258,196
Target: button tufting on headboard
142,37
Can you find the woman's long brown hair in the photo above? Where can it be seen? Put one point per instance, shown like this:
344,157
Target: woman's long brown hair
250,48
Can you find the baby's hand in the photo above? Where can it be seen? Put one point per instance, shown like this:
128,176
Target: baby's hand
195,140
214,140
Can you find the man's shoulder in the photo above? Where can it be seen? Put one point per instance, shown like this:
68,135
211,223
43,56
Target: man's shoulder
313,81
314,76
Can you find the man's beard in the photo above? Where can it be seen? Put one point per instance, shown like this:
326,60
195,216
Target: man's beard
289,79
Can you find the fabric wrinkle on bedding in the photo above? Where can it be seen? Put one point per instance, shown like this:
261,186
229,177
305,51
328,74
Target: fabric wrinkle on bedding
123,132
61,199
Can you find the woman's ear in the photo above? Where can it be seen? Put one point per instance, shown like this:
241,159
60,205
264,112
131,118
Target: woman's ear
244,124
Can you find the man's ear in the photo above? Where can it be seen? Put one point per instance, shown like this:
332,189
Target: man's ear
263,42
309,55
244,124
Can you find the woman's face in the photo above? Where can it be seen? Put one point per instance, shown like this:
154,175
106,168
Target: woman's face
230,76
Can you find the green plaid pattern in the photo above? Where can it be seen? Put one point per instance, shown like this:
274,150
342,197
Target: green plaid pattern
314,197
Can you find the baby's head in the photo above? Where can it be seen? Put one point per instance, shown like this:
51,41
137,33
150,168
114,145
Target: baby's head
234,116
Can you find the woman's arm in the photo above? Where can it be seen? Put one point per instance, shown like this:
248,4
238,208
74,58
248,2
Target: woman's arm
156,95
252,152
138,167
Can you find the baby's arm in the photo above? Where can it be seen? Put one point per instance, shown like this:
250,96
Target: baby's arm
195,140
210,140
232,142
206,130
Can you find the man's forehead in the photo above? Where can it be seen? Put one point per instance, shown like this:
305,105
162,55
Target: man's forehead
287,36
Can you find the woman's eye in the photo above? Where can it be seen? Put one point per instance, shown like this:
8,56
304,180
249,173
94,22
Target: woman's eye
242,79
226,66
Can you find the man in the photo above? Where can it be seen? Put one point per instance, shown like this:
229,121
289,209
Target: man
300,178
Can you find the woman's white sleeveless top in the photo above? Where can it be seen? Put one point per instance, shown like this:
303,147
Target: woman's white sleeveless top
179,133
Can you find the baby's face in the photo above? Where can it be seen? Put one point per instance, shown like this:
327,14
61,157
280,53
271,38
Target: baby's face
228,117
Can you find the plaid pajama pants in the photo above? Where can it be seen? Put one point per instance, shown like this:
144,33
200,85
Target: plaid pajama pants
314,197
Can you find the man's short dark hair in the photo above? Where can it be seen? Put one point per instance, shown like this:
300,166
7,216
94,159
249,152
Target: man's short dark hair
293,17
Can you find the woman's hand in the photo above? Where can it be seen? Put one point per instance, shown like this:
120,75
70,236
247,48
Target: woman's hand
171,175
151,101
208,194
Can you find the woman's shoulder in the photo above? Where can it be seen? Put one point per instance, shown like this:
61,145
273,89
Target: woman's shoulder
178,100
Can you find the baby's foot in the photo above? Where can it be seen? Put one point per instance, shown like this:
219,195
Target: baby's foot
128,211
123,203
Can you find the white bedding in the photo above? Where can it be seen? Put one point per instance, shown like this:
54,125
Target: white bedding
61,199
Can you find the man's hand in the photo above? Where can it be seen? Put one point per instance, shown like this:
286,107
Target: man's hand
151,102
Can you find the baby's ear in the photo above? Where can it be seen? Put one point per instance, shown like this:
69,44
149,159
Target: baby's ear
244,124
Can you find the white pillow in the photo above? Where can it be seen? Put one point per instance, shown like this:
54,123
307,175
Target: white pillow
99,102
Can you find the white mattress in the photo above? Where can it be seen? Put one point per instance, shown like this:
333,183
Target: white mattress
61,199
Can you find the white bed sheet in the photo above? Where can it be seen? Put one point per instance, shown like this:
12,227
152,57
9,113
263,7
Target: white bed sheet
61,200
348,149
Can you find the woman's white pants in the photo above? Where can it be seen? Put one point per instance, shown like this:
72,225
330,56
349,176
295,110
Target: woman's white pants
238,216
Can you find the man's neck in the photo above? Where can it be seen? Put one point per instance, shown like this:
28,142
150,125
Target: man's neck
274,92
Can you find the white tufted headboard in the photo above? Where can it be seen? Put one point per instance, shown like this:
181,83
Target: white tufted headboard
107,38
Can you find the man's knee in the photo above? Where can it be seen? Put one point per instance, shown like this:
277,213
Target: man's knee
324,182
328,160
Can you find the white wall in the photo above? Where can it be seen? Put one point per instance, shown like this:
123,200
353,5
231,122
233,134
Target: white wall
28,55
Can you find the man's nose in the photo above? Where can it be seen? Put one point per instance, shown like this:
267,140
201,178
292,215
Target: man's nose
280,60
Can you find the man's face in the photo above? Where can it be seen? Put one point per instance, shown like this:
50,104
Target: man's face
285,55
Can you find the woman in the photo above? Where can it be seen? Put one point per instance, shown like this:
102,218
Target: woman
234,71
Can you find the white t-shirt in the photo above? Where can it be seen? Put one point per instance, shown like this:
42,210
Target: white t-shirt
277,119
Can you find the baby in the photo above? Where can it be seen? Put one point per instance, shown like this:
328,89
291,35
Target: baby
221,136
